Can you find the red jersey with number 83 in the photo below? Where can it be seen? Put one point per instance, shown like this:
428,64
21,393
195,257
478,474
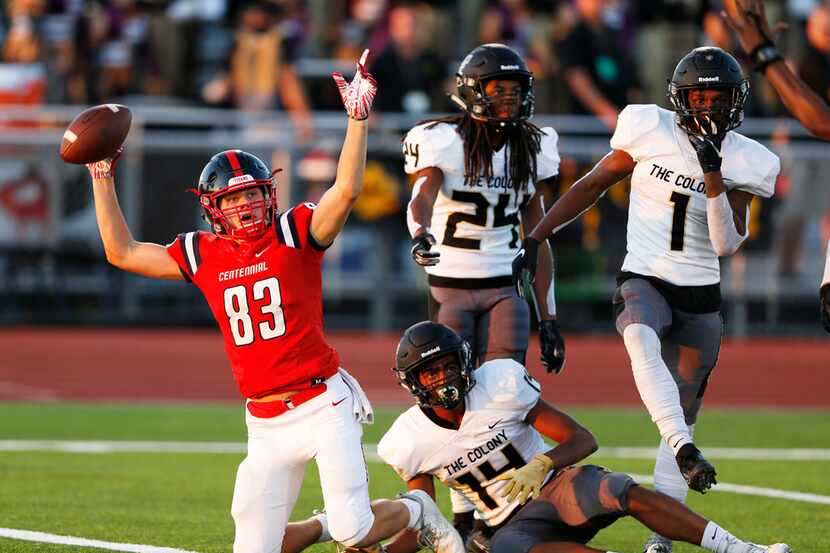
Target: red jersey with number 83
267,297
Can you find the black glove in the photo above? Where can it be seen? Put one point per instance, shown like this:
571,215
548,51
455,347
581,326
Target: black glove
524,265
707,143
552,345
824,295
708,152
421,245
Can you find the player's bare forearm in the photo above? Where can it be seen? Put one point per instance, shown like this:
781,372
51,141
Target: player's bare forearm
749,21
122,250
531,216
575,441
425,189
584,193
331,213
807,106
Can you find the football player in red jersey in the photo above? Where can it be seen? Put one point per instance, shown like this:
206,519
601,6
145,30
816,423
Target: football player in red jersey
260,272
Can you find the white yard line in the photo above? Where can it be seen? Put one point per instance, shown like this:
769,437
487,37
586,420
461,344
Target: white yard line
79,446
42,537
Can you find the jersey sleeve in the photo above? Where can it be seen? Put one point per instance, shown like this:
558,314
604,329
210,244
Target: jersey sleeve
634,124
185,251
547,165
396,448
755,168
293,228
511,387
427,146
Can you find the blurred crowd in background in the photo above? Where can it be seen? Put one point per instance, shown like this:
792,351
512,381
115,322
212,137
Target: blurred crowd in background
588,57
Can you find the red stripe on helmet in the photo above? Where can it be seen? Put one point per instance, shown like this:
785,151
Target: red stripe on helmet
234,161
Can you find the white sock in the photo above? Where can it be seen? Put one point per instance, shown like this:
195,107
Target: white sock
718,540
657,388
324,522
414,509
667,477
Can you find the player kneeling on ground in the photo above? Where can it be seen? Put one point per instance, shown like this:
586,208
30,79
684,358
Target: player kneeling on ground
482,434
260,271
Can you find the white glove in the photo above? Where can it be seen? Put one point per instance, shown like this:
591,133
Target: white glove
359,94
104,169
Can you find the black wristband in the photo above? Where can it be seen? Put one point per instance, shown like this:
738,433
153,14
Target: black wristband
763,55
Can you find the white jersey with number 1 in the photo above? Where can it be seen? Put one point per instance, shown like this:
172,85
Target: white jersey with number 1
475,224
667,235
492,439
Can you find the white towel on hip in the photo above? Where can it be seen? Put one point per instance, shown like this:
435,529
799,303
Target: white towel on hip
360,403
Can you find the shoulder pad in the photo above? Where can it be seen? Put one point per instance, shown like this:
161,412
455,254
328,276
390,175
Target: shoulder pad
547,163
634,124
427,145
508,384
750,166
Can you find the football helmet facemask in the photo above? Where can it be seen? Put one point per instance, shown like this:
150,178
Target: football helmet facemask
228,172
426,347
486,62
708,68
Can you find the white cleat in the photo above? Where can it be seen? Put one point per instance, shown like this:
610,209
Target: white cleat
657,544
434,531
737,546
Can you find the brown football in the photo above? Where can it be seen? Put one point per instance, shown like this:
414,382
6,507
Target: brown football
96,133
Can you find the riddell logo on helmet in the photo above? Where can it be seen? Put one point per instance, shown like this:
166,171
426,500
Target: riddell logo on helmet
509,67
431,351
708,79
240,179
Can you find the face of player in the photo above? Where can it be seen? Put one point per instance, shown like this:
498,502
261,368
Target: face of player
243,207
710,98
505,97
442,378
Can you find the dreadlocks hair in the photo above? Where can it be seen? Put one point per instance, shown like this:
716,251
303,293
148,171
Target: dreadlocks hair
524,141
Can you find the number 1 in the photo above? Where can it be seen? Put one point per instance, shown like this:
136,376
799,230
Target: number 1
678,225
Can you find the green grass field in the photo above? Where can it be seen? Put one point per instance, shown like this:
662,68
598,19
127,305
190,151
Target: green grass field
183,500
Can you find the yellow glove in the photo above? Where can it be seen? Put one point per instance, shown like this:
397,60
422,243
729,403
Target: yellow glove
526,481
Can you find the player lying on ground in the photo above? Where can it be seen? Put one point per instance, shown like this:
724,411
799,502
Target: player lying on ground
692,180
260,272
481,433
749,21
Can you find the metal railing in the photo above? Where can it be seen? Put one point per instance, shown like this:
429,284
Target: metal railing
369,281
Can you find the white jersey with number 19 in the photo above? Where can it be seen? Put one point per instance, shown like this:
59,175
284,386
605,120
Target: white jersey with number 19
493,438
475,223
667,235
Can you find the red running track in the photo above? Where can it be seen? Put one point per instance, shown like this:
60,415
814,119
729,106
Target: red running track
172,364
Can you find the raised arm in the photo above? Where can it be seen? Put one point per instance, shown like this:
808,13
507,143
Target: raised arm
749,21
336,204
122,250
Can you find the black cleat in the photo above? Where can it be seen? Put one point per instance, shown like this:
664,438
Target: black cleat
696,470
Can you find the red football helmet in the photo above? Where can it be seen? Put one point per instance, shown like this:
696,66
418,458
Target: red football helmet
231,171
